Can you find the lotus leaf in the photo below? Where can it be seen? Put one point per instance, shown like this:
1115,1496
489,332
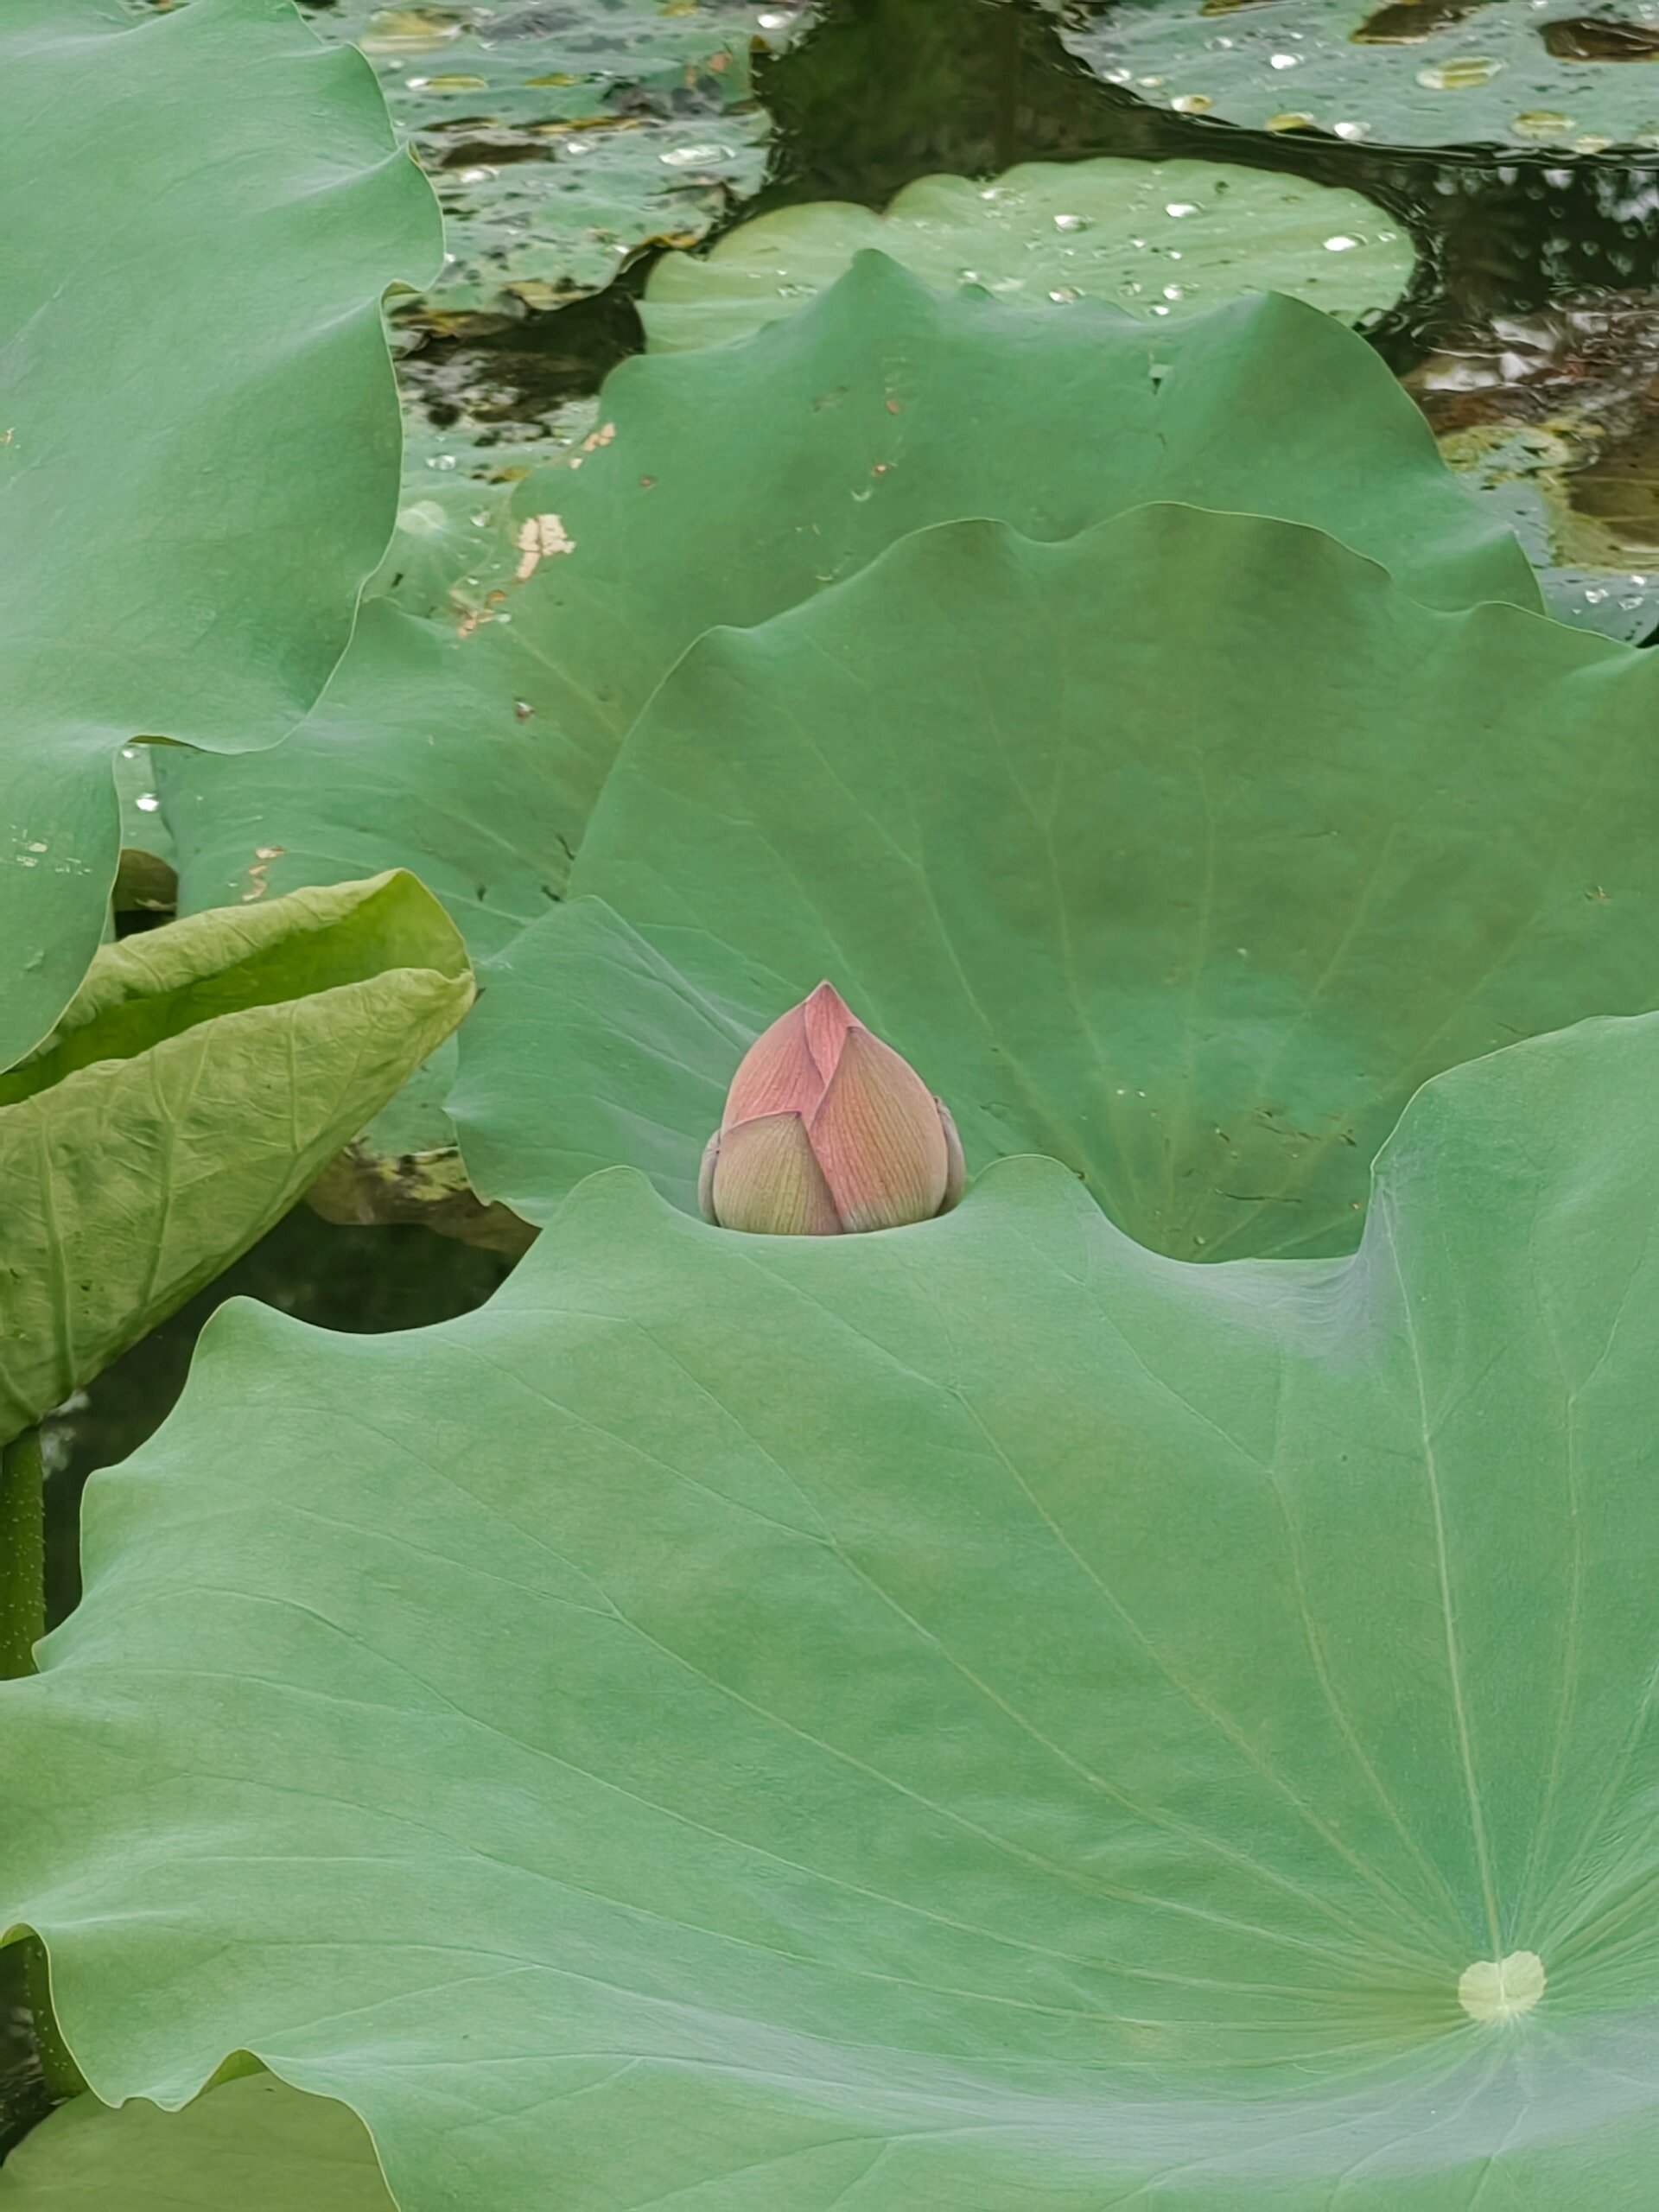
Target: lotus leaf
1401,73
564,139
1183,851
978,1714
203,210
468,737
1157,239
253,2145
202,1076
471,733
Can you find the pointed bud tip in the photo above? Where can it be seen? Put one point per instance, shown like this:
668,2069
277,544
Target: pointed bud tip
824,998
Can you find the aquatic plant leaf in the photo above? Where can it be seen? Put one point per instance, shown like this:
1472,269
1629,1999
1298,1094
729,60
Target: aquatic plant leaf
974,1715
722,488
202,1076
1416,73
1156,238
199,452
254,2144
1183,851
472,724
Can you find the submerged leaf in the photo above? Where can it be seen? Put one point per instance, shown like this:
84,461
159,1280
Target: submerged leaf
202,1075
978,1716
198,448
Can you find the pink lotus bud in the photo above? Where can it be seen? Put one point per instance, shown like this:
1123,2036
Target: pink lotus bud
828,1129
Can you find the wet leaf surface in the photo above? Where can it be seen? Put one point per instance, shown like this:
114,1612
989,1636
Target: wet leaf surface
1515,73
1154,238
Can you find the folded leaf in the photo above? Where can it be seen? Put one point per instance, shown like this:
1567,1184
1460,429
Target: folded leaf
253,2145
199,452
202,1075
249,2146
974,1715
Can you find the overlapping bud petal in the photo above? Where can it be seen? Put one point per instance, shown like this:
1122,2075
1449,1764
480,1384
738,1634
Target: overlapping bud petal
828,1130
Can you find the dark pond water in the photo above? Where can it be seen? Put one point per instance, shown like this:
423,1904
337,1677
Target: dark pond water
886,91
1538,291
1530,334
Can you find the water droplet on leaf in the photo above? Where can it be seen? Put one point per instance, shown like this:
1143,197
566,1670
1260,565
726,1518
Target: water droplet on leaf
1459,75
410,30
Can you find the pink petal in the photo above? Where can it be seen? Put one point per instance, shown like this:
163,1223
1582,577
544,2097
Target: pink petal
829,1021
777,1075
878,1138
766,1180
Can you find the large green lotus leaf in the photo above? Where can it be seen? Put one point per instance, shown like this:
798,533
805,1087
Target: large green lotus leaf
1157,238
976,1715
468,731
1183,851
1403,73
253,2145
202,1076
200,448
476,717
561,139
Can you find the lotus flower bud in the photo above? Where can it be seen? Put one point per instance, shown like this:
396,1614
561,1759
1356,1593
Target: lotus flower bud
827,1130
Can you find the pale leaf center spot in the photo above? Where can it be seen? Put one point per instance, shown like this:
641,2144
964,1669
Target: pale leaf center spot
1502,1989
